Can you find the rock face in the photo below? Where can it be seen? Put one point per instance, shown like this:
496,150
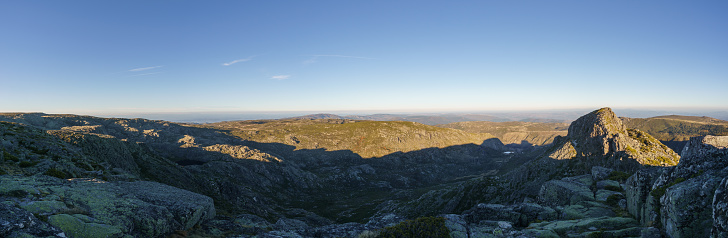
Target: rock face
720,210
601,135
640,203
95,208
687,200
686,207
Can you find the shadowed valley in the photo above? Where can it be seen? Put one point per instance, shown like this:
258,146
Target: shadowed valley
333,177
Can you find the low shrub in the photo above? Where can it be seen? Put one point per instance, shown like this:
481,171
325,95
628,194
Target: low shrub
614,188
619,176
26,164
425,227
56,173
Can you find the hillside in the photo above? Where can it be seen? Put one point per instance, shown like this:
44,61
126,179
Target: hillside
366,138
675,130
678,128
514,132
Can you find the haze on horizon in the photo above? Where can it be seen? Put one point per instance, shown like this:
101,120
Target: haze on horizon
102,58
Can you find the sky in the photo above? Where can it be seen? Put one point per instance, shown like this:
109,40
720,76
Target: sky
102,57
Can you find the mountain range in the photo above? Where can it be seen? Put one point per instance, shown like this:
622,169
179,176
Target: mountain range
330,176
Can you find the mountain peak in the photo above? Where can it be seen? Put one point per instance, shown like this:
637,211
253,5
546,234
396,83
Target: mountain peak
590,132
601,134
598,123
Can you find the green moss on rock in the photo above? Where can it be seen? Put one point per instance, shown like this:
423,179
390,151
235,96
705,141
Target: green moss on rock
77,228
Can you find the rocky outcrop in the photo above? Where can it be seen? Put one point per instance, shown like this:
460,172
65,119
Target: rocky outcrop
687,200
686,207
96,208
18,222
601,138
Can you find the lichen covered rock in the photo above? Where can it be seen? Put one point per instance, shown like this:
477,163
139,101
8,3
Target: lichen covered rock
83,207
564,192
720,210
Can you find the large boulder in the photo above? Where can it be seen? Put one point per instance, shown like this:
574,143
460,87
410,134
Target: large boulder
140,208
18,222
702,154
686,207
704,145
564,192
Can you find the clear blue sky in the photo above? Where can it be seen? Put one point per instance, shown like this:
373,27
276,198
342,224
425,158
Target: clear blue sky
93,57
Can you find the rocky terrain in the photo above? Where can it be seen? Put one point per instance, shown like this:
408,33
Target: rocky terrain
270,181
79,176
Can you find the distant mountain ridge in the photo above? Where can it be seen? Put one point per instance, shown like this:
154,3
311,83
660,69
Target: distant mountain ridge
419,118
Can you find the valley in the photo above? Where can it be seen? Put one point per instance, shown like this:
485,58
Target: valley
329,176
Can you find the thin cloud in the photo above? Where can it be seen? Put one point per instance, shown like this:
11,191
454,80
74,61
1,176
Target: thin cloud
280,77
237,61
144,74
314,58
145,68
